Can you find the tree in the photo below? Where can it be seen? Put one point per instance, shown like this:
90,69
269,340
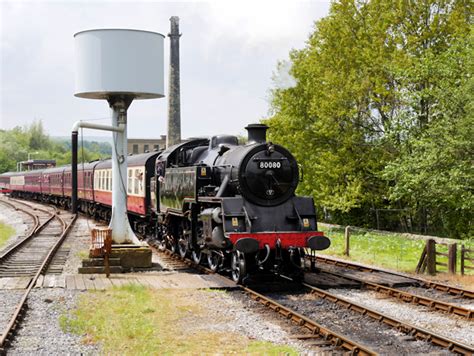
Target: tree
368,87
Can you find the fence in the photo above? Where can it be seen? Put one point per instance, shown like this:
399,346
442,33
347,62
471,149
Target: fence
465,256
400,251
429,257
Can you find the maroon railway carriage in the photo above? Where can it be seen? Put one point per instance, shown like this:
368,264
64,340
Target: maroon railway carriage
52,185
139,175
85,186
5,183
25,184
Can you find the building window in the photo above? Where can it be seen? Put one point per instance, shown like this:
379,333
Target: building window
156,147
135,149
146,148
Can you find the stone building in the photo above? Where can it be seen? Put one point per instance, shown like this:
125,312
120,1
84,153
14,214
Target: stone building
142,145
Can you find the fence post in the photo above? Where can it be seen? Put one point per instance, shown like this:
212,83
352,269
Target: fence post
452,254
431,256
347,236
463,256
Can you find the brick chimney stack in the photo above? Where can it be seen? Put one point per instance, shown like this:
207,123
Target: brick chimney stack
174,100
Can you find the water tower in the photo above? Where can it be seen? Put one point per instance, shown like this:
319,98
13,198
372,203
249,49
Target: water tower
118,65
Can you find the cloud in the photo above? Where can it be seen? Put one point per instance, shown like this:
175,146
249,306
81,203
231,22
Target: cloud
229,51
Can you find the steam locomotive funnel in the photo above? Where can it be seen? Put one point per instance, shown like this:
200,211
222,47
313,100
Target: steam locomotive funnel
257,133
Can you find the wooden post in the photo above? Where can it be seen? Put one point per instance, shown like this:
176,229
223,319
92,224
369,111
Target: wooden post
463,256
452,255
347,236
107,251
431,256
421,262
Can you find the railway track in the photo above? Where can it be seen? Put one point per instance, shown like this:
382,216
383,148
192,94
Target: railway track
29,258
324,336
408,297
412,331
420,282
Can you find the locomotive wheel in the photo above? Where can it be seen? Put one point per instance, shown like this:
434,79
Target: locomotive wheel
239,266
161,245
182,247
197,256
213,260
173,245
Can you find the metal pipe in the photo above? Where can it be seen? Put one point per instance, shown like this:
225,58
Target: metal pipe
74,172
75,129
88,125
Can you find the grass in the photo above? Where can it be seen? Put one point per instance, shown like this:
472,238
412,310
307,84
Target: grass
6,232
83,254
392,251
134,320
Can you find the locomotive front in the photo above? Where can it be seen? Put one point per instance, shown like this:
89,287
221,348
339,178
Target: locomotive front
268,226
264,173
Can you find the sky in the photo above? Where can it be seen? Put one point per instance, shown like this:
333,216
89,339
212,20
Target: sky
229,52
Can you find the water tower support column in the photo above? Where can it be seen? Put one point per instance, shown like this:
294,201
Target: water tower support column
121,230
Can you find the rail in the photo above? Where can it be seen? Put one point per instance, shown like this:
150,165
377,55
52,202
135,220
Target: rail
21,308
464,293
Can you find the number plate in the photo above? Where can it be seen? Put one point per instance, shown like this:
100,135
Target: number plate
269,164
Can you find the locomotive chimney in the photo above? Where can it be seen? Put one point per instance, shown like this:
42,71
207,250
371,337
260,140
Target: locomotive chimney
174,100
257,133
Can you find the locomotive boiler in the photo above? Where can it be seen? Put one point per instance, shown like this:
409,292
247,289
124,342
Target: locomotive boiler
235,205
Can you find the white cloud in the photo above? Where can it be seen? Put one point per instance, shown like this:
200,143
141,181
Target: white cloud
229,50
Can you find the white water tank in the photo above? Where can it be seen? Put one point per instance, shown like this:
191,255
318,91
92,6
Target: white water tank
119,62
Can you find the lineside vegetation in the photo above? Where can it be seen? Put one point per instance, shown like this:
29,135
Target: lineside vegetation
380,113
6,231
32,141
134,320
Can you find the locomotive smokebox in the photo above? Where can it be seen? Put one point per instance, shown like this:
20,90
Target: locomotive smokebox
257,133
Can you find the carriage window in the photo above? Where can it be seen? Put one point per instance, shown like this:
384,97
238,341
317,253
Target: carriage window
130,181
136,184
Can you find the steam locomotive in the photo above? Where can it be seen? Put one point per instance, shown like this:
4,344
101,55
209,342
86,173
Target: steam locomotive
235,205
232,206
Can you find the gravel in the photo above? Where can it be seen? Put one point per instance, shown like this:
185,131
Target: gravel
16,220
233,312
438,295
9,299
78,243
362,329
454,327
40,333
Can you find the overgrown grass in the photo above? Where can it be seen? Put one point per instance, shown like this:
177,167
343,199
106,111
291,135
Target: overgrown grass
134,320
392,251
6,231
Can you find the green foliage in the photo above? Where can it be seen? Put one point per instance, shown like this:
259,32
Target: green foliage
6,232
380,111
17,143
389,250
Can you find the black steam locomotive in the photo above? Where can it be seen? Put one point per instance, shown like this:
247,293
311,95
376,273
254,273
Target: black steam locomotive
234,205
